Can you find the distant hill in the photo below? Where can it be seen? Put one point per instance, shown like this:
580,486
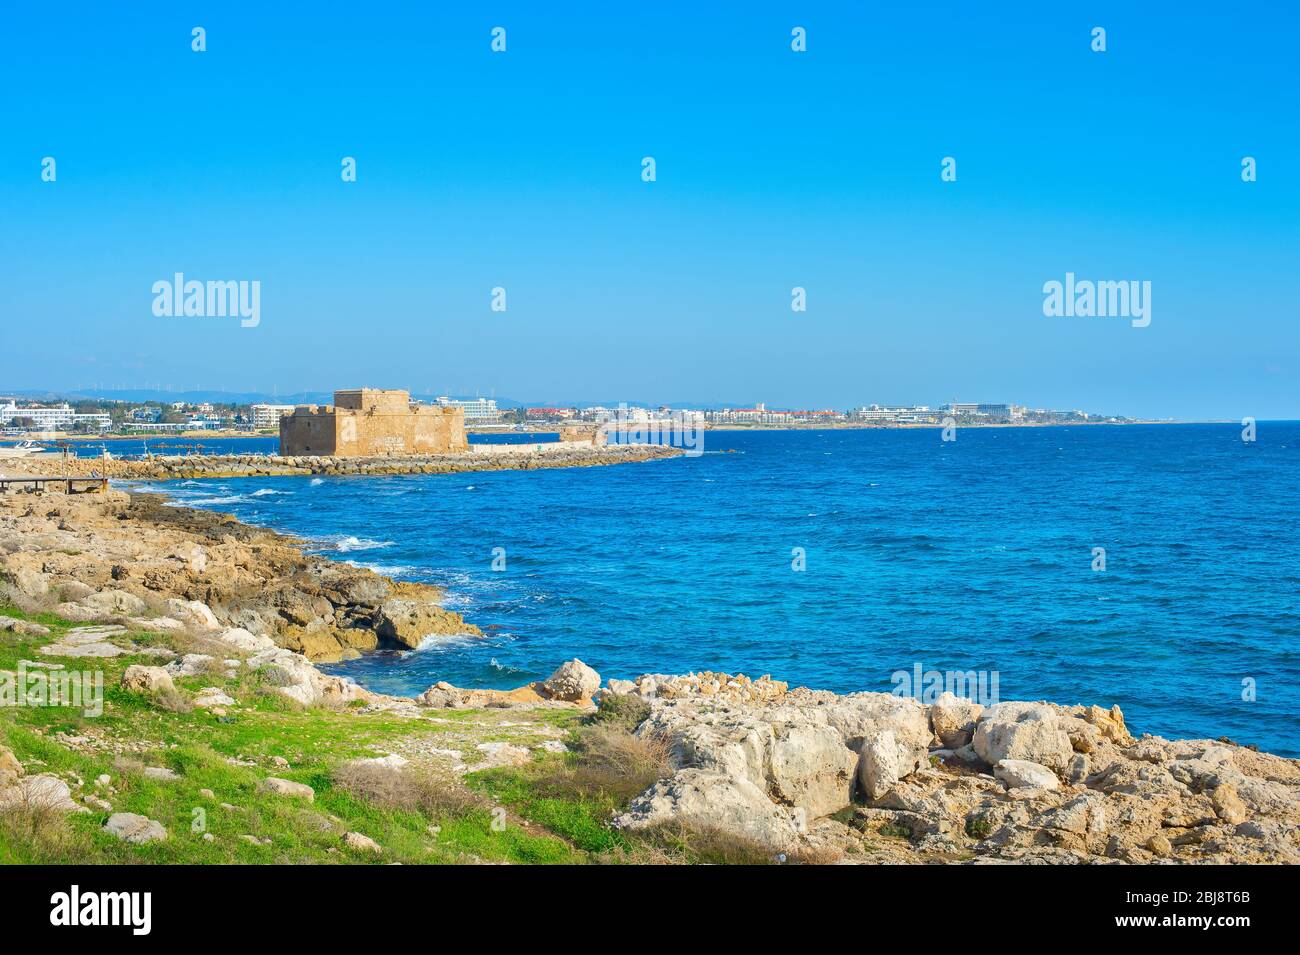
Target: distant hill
137,395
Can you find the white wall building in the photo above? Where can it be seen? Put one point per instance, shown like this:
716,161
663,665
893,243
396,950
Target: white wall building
54,418
477,410
267,417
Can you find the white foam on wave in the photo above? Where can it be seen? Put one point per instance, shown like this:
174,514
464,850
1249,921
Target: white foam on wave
389,570
441,642
348,543
316,482
263,492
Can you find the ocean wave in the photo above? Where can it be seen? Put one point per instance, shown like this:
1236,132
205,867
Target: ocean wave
441,642
205,501
345,544
388,570
263,492
316,482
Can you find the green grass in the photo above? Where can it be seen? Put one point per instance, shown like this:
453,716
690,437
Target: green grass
200,746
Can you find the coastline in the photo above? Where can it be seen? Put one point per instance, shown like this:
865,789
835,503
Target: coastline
170,467
951,780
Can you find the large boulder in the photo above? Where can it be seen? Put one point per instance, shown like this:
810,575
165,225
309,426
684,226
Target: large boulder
953,719
148,680
194,613
23,627
1022,774
118,602
880,765
707,800
293,675
572,681
239,640
801,749
409,620
286,787
44,792
1025,731
134,828
810,767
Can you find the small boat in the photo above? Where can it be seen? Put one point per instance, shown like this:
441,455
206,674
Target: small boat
21,450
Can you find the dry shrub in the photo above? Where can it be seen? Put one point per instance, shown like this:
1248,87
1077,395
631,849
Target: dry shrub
626,711
38,825
408,789
609,762
128,766
173,701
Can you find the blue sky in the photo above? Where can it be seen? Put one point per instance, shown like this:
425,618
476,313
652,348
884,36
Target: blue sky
775,169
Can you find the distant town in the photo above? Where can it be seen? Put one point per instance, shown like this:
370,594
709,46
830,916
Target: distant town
117,417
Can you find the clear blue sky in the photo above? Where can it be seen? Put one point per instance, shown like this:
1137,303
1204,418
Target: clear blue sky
775,169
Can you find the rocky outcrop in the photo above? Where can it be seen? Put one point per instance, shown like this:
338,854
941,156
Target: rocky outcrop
408,618
109,558
1038,781
571,685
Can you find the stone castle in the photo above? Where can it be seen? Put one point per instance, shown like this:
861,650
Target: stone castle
369,422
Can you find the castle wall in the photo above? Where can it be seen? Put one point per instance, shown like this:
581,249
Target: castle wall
372,423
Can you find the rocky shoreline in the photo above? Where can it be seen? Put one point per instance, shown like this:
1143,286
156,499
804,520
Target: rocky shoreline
868,777
196,466
135,559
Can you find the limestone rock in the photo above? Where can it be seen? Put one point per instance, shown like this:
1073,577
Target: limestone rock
409,620
211,696
239,640
1025,731
1019,773
706,799
1227,804
879,765
10,768
114,602
86,642
502,754
133,828
193,613
573,681
295,677
953,719
285,787
147,680
810,767
191,664
43,791
24,627
355,840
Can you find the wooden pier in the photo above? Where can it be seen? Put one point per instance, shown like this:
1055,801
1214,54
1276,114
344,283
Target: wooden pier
36,484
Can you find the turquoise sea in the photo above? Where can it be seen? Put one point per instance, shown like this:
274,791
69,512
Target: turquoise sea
971,555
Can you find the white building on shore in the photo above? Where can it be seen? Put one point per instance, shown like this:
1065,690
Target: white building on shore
267,417
477,410
52,418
